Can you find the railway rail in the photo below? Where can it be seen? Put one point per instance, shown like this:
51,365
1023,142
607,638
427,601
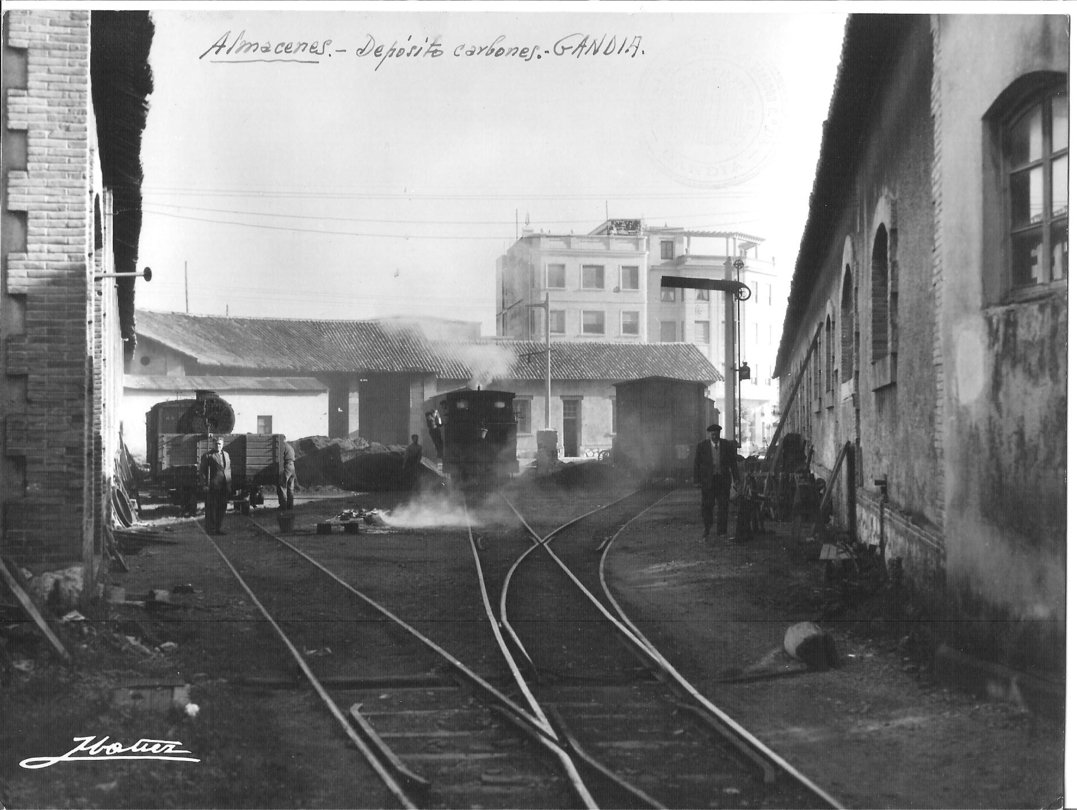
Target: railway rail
618,696
435,732
539,694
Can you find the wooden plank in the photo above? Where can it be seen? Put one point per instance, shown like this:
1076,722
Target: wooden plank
31,609
789,402
845,448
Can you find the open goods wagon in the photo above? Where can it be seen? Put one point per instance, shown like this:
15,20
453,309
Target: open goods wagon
179,432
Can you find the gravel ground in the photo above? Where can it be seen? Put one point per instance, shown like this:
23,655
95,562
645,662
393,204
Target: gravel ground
875,731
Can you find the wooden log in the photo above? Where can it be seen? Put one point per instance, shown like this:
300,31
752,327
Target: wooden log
34,613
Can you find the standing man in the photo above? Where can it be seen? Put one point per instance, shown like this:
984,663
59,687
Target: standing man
715,471
286,480
413,459
433,427
216,470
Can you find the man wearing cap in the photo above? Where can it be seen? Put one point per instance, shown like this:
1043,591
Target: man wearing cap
715,471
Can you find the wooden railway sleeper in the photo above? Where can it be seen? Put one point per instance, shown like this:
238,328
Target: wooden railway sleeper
770,773
556,747
597,766
387,755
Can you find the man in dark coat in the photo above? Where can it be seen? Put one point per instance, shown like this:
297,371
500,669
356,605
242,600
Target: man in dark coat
413,460
715,470
216,469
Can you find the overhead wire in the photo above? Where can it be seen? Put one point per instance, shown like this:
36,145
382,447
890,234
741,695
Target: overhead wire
412,221
508,236
404,194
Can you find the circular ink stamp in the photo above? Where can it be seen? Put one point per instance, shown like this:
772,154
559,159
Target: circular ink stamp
715,116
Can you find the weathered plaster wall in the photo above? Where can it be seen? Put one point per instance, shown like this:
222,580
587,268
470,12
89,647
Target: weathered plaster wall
894,190
151,357
1004,366
891,426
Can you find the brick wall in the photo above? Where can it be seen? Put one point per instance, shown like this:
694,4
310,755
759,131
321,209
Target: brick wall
47,517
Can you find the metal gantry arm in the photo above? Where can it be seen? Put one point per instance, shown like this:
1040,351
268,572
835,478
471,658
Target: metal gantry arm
736,290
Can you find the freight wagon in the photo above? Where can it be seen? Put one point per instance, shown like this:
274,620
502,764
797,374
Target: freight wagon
179,432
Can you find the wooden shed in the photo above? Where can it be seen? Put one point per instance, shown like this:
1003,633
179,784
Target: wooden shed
659,422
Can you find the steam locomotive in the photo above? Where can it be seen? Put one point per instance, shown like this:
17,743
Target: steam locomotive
178,433
478,430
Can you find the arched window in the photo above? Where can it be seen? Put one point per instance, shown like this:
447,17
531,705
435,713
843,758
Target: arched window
828,342
98,225
1026,200
816,374
1035,150
880,295
848,339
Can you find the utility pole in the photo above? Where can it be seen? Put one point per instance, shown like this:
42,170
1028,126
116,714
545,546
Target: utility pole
186,300
545,305
731,371
549,383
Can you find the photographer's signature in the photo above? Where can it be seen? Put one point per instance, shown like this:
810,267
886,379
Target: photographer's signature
99,748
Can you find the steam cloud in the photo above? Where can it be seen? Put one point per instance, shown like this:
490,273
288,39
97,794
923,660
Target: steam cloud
434,512
486,363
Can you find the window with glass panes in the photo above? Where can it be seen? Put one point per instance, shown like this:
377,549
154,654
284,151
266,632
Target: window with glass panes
1036,153
555,276
521,408
630,277
593,322
557,322
667,249
593,277
667,294
702,332
629,323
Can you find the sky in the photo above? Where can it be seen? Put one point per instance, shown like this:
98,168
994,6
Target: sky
334,180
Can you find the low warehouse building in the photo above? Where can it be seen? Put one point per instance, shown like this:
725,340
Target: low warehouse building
926,328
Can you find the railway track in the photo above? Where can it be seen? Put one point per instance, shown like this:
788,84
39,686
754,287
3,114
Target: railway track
616,698
434,731
536,693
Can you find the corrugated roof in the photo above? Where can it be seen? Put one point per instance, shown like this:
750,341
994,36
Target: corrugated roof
369,346
233,382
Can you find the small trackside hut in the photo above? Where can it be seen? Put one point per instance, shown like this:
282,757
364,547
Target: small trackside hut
659,422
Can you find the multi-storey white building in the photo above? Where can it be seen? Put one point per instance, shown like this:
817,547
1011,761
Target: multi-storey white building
606,286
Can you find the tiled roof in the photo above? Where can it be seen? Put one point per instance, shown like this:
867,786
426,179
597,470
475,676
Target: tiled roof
234,382
571,360
289,345
370,346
